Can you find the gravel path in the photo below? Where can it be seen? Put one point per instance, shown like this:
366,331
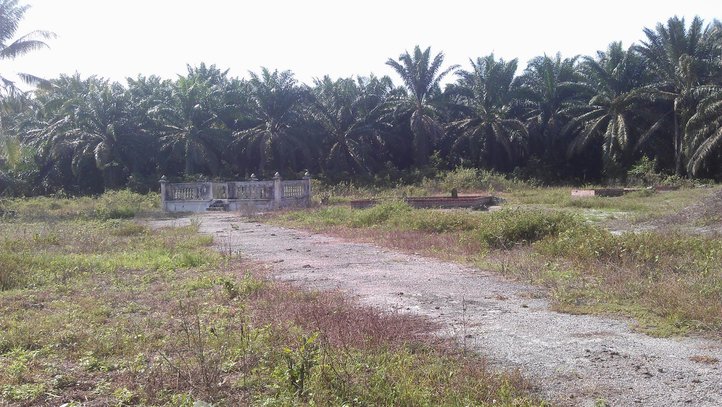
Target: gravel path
576,360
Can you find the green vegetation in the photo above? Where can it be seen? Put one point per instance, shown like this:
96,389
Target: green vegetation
671,282
614,117
633,206
496,230
110,205
96,308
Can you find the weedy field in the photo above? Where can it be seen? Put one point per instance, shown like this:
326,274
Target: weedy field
97,309
641,255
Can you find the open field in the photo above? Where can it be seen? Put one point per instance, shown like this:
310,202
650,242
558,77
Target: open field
663,273
575,360
96,309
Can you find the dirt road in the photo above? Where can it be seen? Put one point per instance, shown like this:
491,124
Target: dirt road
577,360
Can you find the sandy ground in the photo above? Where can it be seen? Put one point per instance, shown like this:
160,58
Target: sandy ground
576,360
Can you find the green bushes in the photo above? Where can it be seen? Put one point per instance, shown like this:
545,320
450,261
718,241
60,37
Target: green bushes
585,242
470,179
507,228
110,205
501,229
390,212
671,282
464,180
125,204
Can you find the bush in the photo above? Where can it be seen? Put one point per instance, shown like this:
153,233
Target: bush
469,179
507,228
125,204
643,172
380,214
111,205
585,242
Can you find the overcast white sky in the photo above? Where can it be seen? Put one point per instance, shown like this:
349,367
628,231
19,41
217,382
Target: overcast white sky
121,38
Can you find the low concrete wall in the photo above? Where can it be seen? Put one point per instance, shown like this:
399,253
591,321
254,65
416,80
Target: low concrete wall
609,192
251,195
442,202
186,206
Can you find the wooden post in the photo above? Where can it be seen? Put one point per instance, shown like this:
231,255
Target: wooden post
277,191
163,182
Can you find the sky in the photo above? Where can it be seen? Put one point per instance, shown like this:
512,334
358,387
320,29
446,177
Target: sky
117,39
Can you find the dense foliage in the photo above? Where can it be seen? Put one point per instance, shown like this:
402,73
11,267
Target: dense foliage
578,119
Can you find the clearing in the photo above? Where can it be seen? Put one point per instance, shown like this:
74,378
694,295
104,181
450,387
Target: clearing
575,359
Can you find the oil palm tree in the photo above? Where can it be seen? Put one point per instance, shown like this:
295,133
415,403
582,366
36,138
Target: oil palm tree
189,127
11,112
483,99
274,103
611,114
345,109
682,59
703,132
11,13
421,76
548,87
85,120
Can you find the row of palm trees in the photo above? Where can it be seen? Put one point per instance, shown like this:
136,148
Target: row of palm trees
581,118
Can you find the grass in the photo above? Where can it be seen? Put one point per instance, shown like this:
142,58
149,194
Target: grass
111,205
635,206
671,283
632,207
96,310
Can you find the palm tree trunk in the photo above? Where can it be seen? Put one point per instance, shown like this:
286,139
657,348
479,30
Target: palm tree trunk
263,153
188,159
677,143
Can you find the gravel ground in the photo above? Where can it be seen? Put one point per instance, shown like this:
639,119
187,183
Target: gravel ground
575,359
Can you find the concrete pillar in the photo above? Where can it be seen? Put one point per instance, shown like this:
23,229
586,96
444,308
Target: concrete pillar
277,191
307,187
255,191
163,182
209,191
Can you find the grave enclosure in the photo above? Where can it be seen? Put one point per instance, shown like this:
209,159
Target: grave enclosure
253,195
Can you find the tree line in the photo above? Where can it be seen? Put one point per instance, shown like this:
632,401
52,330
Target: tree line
571,119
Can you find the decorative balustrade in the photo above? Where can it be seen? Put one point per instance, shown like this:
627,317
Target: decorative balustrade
294,189
235,195
192,191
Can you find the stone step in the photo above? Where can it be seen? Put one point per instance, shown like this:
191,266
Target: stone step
218,206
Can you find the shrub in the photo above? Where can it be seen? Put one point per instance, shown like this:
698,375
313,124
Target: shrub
125,204
111,205
585,242
380,214
507,228
469,179
643,173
